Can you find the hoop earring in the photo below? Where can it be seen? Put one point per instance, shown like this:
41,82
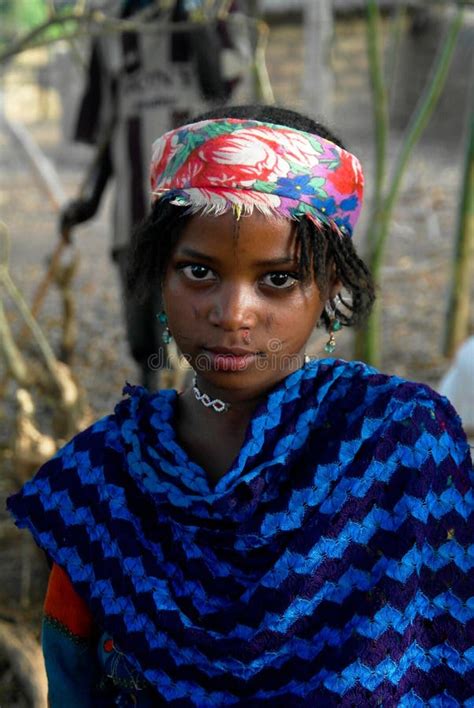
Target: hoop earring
166,335
330,345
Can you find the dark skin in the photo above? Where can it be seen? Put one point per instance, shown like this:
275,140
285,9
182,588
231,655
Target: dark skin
211,442
240,315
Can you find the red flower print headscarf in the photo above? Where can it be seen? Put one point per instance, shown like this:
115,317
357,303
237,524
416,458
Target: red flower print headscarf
216,165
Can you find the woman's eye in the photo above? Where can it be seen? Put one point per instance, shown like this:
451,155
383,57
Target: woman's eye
195,271
280,280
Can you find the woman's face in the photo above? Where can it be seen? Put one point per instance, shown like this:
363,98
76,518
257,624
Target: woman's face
235,306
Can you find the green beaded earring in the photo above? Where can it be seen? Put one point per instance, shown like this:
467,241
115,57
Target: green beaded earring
166,336
331,343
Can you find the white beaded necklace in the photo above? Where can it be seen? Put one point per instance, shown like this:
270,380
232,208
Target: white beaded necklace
215,403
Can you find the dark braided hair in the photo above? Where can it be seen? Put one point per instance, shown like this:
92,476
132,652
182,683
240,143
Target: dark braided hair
321,249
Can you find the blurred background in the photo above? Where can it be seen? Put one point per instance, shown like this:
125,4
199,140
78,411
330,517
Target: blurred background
85,86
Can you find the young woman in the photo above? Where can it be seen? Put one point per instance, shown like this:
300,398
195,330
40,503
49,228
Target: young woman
285,532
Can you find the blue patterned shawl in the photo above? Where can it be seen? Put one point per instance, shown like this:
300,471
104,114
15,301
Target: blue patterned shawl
332,565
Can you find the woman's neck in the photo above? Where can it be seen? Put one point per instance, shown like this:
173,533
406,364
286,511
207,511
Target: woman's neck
234,419
212,439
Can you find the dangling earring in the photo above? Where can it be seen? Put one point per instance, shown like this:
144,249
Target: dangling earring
166,335
331,343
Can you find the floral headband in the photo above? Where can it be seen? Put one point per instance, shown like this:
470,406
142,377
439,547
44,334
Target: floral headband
216,165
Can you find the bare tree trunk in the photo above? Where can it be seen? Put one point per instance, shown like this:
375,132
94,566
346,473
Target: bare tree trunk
23,653
317,77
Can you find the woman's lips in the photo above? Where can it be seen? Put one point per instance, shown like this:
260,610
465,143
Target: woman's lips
230,359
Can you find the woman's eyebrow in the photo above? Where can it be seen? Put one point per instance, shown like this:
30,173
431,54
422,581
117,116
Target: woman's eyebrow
283,260
192,253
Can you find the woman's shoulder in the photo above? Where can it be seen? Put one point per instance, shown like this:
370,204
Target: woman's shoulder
404,390
413,411
111,431
112,434
81,463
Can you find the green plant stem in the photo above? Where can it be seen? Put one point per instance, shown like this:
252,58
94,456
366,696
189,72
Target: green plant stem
457,316
396,34
366,344
263,85
416,127
367,347
380,113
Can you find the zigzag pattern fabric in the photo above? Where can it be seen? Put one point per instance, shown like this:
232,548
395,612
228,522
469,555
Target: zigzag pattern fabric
332,565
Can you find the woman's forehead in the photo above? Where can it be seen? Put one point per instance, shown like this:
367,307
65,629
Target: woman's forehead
255,237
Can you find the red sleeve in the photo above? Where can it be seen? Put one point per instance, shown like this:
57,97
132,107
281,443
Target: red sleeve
64,605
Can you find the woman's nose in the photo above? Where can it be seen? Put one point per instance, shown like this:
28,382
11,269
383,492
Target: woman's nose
233,308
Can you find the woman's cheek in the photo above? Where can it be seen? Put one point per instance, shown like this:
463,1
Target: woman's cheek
173,291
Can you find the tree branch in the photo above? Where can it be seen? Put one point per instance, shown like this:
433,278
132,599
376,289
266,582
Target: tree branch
94,23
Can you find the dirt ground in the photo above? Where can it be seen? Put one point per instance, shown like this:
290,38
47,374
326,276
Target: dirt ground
413,288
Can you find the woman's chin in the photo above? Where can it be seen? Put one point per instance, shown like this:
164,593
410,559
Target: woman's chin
247,382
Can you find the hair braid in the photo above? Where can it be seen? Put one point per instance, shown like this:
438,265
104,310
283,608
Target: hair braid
321,250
